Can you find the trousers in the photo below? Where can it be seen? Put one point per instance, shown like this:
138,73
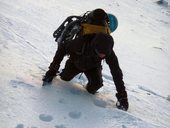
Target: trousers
93,75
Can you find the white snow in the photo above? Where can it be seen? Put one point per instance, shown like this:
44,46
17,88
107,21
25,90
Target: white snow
27,48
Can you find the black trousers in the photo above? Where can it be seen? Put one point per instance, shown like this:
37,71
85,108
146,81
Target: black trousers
93,75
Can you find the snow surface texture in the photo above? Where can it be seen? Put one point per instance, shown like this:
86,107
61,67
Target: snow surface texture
27,48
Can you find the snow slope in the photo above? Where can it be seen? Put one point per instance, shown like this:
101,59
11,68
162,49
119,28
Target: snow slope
27,47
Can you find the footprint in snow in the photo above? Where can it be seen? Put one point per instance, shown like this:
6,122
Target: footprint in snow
62,101
60,126
168,98
75,92
123,126
75,114
45,117
100,103
20,126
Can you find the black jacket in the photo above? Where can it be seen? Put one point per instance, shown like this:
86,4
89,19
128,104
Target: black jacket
87,45
84,50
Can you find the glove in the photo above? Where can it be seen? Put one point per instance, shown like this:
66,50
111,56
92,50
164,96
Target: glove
49,75
122,102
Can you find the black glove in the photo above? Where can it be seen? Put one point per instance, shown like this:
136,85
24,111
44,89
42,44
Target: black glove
122,102
49,75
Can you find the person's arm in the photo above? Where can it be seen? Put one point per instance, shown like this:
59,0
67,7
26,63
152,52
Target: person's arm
59,55
116,72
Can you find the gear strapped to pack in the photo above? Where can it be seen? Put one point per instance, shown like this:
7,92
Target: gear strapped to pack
75,26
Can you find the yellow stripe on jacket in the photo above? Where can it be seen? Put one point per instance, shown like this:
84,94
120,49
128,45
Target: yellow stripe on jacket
91,29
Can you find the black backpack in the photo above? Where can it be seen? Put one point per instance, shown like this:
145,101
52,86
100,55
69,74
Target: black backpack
71,28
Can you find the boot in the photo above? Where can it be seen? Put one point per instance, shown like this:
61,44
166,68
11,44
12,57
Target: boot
122,102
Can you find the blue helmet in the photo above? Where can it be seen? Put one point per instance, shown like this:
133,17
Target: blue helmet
113,22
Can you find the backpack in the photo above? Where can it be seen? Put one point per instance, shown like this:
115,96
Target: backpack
75,26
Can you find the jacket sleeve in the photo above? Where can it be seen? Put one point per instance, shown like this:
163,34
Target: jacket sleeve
116,72
59,55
